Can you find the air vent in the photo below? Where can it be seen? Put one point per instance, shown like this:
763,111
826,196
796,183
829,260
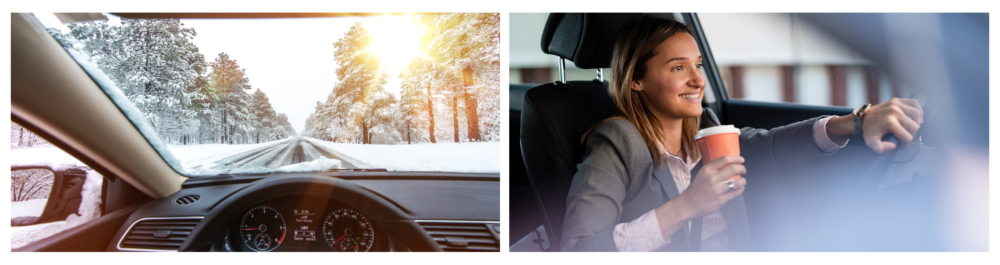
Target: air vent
455,236
187,199
158,233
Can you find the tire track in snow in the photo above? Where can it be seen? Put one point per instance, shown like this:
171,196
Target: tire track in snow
229,159
292,155
346,161
293,151
240,160
260,159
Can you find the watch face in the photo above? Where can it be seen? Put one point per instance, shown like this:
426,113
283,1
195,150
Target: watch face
858,111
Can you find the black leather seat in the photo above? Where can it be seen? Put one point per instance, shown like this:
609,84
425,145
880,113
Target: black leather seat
555,116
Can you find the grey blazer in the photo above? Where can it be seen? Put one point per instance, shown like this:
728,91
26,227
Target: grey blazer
617,182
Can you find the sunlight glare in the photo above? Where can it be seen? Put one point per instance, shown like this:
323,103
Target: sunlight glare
396,41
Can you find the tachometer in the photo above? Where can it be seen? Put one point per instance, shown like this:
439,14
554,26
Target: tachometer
348,230
262,229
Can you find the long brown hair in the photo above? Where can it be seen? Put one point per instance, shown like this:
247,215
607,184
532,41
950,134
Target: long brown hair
635,45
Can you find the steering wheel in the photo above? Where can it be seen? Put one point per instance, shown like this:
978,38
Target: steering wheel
900,166
898,201
405,232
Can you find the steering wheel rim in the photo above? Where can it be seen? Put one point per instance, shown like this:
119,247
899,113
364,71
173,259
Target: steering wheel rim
882,166
408,232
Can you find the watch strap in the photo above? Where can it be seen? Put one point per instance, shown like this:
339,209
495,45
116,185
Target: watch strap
857,125
858,112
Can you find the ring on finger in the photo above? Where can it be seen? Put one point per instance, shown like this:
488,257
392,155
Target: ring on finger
731,186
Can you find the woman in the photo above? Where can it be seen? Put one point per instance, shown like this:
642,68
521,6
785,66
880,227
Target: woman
636,189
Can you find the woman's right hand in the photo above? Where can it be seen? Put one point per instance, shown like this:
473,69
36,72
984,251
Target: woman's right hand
710,189
706,195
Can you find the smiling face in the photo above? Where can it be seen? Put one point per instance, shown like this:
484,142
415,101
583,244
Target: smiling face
674,83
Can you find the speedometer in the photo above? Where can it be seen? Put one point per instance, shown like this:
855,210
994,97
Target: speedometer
348,230
262,229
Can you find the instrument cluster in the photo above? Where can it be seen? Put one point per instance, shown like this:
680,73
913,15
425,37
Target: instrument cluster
304,224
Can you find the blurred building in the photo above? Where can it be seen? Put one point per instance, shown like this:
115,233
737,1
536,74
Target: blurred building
762,57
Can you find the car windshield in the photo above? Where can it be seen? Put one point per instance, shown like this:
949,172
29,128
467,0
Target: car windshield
413,92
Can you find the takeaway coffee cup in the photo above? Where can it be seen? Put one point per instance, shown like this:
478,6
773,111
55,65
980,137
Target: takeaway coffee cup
718,141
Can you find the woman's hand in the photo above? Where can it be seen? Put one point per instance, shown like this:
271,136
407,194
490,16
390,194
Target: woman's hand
900,116
708,192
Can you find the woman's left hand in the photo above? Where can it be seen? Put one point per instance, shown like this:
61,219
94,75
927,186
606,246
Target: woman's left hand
900,116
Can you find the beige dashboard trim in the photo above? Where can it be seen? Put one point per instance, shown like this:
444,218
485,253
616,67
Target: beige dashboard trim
52,92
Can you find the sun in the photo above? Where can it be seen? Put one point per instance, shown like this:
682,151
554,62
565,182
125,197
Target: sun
395,40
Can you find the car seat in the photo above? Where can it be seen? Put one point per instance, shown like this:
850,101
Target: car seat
555,116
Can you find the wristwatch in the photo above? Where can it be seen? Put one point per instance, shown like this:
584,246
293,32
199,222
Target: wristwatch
858,112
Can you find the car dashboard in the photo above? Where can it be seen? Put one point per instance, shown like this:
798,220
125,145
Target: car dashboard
304,223
331,211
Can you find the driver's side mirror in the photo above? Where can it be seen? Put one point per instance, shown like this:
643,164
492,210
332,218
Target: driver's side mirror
42,195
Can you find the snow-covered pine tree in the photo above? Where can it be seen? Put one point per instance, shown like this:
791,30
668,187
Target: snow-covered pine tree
197,101
382,108
62,38
22,137
467,44
264,122
359,94
228,83
152,61
158,67
284,128
415,109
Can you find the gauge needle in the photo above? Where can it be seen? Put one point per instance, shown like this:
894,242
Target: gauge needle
251,229
338,240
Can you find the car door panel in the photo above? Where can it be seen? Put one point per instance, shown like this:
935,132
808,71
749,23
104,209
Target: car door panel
94,235
766,115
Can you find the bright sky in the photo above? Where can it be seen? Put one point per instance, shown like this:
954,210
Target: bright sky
291,60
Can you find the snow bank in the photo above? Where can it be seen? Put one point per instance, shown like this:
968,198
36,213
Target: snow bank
52,157
448,157
27,208
320,164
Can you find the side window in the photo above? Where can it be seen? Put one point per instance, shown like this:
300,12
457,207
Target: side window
51,191
783,58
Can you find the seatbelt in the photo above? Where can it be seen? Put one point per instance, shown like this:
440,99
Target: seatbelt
694,236
694,239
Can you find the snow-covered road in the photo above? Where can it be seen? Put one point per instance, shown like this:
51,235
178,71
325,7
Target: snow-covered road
308,154
292,154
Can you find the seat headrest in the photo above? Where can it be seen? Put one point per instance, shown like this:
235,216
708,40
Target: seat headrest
587,39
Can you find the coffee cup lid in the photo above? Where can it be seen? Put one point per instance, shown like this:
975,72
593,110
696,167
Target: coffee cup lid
716,130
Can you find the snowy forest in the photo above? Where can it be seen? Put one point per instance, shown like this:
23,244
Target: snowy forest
450,94
186,99
21,137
